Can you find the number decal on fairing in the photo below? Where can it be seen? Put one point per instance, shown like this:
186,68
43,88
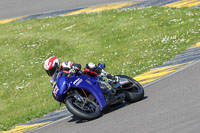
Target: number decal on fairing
55,90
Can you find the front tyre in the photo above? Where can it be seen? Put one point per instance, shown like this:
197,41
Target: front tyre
85,109
135,91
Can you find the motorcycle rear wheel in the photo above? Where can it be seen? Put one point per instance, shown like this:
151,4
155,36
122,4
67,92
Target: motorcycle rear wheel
134,94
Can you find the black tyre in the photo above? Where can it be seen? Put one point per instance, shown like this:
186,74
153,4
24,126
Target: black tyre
88,111
135,93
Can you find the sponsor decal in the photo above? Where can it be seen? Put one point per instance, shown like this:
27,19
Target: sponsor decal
124,82
77,82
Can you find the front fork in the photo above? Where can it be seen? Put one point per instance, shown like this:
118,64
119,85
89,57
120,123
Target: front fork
77,96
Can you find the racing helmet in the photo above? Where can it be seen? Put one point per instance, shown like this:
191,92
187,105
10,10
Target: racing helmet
51,65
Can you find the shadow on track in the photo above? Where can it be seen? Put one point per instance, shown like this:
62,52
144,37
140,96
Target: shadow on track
111,109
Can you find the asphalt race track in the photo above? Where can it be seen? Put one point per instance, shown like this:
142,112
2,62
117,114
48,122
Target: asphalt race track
171,106
17,8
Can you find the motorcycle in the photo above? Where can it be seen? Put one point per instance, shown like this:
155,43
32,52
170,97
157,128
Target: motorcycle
87,96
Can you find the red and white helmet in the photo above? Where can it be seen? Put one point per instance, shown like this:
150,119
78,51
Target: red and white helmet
51,65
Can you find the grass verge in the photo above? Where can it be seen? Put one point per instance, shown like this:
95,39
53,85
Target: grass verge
128,41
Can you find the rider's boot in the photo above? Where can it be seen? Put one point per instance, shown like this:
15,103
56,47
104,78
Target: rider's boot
113,78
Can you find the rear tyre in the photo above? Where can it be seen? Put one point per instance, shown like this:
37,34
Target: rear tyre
85,111
135,93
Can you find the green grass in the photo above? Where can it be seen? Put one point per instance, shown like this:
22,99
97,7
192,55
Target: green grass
129,41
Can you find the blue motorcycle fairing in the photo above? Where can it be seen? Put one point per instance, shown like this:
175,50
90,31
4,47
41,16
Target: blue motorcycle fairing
59,88
90,84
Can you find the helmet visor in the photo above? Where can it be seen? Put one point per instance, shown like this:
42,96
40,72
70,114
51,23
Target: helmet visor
52,71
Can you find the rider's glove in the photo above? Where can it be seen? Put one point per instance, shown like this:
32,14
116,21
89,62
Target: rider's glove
73,70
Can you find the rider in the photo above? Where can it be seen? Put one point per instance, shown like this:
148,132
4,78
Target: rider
52,66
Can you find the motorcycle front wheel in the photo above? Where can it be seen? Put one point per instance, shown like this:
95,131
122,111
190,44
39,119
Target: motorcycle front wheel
85,109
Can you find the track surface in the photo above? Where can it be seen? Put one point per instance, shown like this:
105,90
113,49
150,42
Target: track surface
172,106
16,8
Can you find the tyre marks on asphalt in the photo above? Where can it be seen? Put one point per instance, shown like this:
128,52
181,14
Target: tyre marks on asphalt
165,3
